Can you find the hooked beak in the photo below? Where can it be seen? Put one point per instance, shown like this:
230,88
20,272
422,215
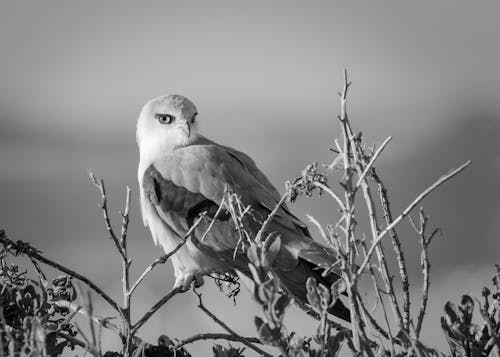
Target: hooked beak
184,126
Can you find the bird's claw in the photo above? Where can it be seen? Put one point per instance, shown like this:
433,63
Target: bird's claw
185,281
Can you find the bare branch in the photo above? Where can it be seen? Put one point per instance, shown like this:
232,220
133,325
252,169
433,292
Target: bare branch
103,205
89,307
408,209
125,218
269,218
164,258
331,193
372,161
155,308
396,243
227,328
425,264
214,336
387,334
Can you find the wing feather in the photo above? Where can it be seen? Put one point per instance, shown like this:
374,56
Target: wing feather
197,175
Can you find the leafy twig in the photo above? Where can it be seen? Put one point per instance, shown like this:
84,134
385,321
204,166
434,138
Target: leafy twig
23,248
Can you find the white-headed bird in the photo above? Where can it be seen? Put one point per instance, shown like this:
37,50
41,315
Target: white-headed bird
182,175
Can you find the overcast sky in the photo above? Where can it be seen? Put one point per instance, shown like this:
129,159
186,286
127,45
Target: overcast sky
264,76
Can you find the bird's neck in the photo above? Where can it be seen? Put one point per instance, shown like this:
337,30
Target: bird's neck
153,150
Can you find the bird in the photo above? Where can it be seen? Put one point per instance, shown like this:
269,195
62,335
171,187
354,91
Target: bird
183,177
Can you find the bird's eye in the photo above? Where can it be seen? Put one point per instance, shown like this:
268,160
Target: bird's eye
195,115
165,118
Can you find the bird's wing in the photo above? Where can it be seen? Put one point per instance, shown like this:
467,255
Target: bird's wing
194,178
250,166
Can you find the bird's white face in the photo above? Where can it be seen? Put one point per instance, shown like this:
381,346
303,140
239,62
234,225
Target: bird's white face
165,123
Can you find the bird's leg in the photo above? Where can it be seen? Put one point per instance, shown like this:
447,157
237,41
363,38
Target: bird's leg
185,280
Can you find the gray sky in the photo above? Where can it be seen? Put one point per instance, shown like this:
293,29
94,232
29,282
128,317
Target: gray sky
264,75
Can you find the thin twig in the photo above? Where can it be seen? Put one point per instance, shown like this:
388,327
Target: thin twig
155,308
358,327
126,262
331,193
375,230
214,219
125,218
372,161
362,169
387,334
89,307
101,321
408,209
227,328
88,346
425,264
103,205
320,228
164,258
269,218
396,243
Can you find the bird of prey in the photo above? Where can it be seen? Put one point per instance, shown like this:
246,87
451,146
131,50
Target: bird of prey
183,174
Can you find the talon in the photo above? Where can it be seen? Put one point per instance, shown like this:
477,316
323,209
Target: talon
185,281
198,282
178,282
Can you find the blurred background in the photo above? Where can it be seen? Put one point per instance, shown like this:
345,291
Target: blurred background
264,76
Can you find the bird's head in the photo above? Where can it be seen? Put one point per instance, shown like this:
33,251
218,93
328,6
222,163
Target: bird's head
167,122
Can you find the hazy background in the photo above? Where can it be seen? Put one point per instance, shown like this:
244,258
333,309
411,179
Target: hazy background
265,76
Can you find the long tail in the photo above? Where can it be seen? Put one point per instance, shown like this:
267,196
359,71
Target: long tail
295,281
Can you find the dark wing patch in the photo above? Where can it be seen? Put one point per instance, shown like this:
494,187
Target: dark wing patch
210,208
171,197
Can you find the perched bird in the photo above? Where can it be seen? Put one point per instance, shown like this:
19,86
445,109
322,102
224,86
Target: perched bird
182,174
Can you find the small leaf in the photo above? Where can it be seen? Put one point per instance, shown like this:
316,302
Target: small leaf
258,322
467,307
334,344
253,255
335,290
221,351
279,306
312,295
54,349
451,312
324,296
267,334
272,248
